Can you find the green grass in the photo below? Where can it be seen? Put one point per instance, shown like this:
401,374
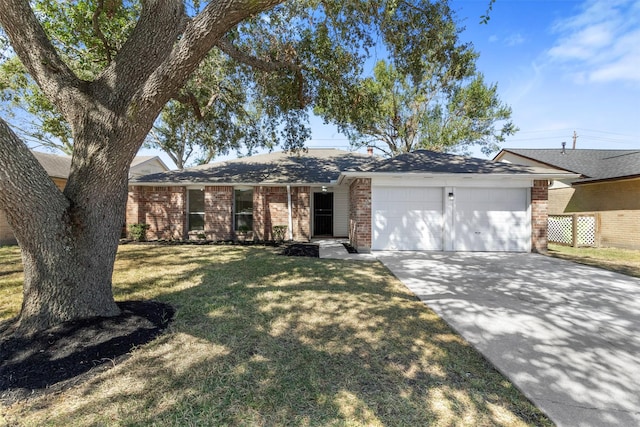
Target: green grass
262,340
625,261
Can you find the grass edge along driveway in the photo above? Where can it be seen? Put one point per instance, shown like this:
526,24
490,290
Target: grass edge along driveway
260,339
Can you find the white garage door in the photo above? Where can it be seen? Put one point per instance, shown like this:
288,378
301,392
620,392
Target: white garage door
406,218
491,219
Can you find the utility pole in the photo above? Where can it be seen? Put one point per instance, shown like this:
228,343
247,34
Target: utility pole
575,137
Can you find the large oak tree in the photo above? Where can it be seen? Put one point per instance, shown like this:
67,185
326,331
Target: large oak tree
109,90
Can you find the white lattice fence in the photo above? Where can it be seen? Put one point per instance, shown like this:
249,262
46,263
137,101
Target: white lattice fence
574,230
559,229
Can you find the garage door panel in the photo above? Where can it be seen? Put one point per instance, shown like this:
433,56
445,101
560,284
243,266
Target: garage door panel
406,218
491,220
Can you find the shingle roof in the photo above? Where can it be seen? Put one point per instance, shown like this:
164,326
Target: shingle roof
594,165
56,166
434,162
60,166
314,166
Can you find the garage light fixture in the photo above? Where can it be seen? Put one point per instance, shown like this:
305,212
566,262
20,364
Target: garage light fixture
324,188
450,195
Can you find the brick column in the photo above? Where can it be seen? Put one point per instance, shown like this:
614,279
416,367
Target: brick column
360,214
218,212
301,207
539,215
133,214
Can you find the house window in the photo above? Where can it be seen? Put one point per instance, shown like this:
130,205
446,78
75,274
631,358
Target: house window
243,210
196,210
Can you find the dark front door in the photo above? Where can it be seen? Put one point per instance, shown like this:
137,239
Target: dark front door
323,214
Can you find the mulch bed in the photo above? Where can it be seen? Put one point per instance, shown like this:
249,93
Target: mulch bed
350,248
67,354
302,249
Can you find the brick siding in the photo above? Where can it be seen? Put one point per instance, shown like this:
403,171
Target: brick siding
163,208
218,213
620,229
360,214
270,208
539,215
616,203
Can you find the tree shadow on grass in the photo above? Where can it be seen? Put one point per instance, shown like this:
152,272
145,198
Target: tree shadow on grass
291,341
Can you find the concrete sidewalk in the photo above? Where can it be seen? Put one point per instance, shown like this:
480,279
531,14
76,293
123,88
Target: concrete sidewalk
567,335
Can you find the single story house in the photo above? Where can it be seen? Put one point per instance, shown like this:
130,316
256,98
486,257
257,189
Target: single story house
607,185
417,201
58,168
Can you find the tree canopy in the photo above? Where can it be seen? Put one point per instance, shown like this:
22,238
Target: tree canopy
256,88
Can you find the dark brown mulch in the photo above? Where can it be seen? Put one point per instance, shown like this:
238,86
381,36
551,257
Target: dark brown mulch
302,249
350,248
68,353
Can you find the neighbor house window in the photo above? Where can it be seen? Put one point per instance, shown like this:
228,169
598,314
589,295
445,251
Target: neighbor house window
243,210
196,210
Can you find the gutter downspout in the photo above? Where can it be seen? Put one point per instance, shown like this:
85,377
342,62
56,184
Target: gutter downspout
290,225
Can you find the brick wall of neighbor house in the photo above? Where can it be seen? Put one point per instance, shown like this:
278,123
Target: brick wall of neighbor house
270,208
218,213
163,208
620,229
605,196
559,199
360,214
617,204
539,215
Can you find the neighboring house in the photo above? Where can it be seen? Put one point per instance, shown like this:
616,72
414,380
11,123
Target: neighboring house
608,185
417,201
145,165
58,168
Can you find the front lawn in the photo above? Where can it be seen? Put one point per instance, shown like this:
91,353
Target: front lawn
261,339
625,261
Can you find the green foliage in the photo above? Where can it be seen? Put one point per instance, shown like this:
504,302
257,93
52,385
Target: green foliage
285,62
138,232
71,27
436,101
279,232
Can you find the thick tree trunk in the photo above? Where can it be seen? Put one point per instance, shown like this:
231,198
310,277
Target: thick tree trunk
69,239
69,243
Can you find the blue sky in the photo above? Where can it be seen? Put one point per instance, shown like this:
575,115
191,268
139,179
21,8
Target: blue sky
562,65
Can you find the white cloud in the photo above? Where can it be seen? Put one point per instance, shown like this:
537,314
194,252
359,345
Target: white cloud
514,39
601,43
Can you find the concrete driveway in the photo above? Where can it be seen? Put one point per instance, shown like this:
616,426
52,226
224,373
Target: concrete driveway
567,335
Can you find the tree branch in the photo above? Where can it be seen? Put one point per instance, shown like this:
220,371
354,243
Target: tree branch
188,98
99,33
200,35
225,45
37,53
44,202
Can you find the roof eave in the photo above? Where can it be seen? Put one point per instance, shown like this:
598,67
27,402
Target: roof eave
228,184
599,180
486,175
